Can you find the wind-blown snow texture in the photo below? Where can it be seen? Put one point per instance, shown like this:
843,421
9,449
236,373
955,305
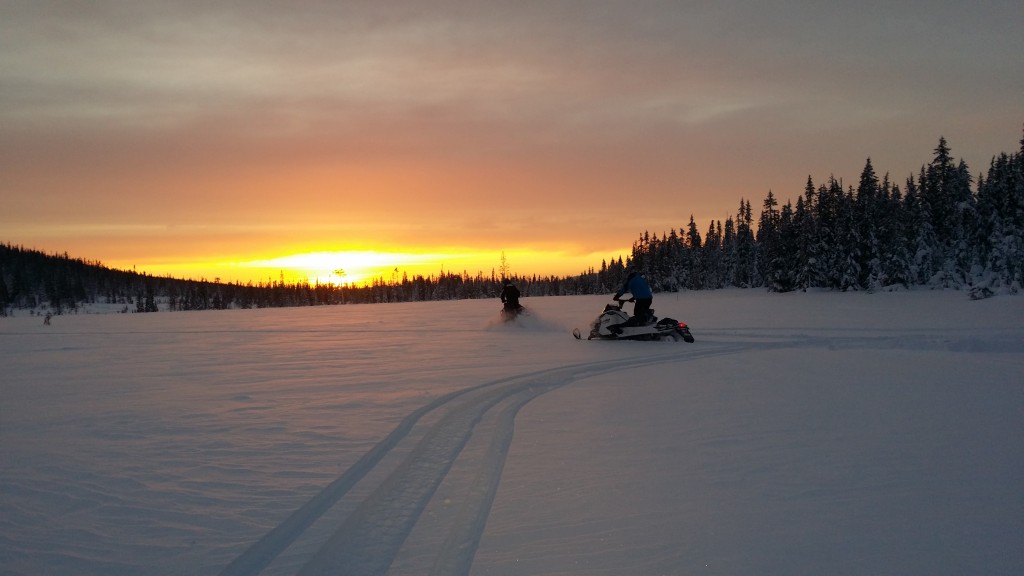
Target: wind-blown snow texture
819,433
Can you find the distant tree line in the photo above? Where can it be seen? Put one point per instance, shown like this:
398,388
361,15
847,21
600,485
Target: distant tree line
32,279
938,230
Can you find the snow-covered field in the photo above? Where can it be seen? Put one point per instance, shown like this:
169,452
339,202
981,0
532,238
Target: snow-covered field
819,433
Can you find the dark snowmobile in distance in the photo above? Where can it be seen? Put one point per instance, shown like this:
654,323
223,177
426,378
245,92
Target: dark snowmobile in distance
510,313
510,306
615,324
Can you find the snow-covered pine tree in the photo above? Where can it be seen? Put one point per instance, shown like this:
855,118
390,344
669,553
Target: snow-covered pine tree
746,258
919,236
711,257
894,251
813,274
965,221
828,242
803,230
866,215
671,256
946,187
999,237
848,243
785,269
727,265
693,248
768,243
936,182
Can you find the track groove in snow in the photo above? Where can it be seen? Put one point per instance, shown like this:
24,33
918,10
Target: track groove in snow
369,538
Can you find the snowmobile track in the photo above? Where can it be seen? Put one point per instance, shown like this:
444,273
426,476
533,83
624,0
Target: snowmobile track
368,540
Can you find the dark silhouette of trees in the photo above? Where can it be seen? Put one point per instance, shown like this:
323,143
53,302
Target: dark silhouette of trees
30,279
939,232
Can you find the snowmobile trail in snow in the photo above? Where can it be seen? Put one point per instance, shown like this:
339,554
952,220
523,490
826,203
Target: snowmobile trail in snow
395,481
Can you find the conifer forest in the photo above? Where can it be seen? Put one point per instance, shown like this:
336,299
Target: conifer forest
942,227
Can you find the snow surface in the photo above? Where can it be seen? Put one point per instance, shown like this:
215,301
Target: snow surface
817,433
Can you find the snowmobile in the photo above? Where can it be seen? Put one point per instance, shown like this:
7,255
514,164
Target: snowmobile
615,324
508,314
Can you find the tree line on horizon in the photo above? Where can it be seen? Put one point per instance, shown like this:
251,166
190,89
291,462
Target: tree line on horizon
939,229
32,279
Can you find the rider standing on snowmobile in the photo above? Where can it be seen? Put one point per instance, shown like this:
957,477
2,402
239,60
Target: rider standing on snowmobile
510,297
643,297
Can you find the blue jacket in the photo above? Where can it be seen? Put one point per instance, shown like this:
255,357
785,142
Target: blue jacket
637,286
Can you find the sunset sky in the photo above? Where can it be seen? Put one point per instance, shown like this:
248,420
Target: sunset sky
243,140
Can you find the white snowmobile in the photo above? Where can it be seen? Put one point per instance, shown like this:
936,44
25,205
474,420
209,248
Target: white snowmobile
616,324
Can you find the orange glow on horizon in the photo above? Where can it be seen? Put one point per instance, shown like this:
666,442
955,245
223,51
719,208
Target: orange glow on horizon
362,267
355,267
